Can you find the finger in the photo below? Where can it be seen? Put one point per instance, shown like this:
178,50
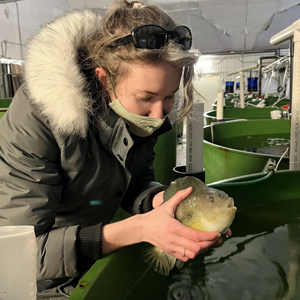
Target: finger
228,233
219,241
179,196
180,256
206,245
191,249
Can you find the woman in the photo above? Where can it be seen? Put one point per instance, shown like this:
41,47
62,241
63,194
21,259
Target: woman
77,141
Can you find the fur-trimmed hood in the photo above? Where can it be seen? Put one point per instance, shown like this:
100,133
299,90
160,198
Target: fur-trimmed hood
53,77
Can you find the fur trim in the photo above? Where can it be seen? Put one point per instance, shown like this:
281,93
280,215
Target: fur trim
52,75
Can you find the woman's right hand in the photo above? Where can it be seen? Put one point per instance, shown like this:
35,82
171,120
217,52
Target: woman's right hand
161,229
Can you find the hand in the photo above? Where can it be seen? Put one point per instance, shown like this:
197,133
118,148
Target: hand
161,229
227,234
158,199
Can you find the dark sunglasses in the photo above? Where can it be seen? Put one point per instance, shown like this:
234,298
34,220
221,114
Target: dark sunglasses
156,37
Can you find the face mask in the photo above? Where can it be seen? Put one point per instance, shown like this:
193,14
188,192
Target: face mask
138,125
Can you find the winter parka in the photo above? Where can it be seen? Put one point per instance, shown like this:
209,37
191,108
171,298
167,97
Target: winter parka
63,167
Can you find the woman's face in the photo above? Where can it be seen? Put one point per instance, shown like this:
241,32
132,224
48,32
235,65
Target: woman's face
149,90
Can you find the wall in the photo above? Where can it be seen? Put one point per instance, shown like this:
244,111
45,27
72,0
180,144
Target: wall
223,64
17,30
18,23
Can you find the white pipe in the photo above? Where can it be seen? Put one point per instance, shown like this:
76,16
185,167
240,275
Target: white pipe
194,142
242,98
295,120
268,87
276,64
285,34
243,69
220,106
19,31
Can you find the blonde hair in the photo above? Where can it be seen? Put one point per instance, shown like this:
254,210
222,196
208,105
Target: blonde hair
120,19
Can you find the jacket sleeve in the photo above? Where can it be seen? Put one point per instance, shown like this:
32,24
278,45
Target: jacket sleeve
31,185
141,191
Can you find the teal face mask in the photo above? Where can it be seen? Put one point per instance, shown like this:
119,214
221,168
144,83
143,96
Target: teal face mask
139,125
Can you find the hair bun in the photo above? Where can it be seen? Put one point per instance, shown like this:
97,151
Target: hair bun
138,5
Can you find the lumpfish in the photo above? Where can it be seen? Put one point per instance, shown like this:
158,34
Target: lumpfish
205,209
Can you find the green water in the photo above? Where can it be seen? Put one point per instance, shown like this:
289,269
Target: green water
271,144
261,261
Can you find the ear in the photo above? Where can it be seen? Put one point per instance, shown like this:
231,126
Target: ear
101,74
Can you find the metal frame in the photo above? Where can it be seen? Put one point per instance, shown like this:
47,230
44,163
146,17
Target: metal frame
293,33
241,72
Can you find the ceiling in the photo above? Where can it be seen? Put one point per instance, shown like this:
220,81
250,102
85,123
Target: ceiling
224,25
218,26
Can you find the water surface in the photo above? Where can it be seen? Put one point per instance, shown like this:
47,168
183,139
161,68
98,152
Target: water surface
270,144
261,261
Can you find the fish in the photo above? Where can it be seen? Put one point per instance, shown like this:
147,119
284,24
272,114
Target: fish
205,209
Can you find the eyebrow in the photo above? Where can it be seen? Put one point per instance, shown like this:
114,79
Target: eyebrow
155,94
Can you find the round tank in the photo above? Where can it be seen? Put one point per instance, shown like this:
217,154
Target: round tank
265,243
165,159
248,113
268,102
239,148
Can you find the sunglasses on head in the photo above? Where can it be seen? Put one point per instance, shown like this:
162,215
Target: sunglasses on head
156,37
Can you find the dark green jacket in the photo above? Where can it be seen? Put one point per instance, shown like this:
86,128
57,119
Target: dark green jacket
63,167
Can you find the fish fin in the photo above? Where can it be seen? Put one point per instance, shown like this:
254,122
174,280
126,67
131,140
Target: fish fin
179,264
159,260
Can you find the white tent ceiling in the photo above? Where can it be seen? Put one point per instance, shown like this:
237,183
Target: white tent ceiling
218,26
224,25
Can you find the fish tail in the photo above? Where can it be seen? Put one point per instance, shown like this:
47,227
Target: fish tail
159,260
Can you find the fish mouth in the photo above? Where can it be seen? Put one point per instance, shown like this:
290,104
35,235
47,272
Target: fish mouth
230,203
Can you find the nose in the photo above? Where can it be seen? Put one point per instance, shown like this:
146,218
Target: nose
157,110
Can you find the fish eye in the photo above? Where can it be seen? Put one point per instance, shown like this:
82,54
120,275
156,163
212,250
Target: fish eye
189,216
211,198
221,195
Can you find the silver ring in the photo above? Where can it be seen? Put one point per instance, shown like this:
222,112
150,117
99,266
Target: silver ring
183,255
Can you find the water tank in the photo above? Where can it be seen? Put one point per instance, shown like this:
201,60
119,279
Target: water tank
229,86
252,84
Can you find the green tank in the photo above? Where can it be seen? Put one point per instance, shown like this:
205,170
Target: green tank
237,148
248,113
268,102
261,242
165,159
4,104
